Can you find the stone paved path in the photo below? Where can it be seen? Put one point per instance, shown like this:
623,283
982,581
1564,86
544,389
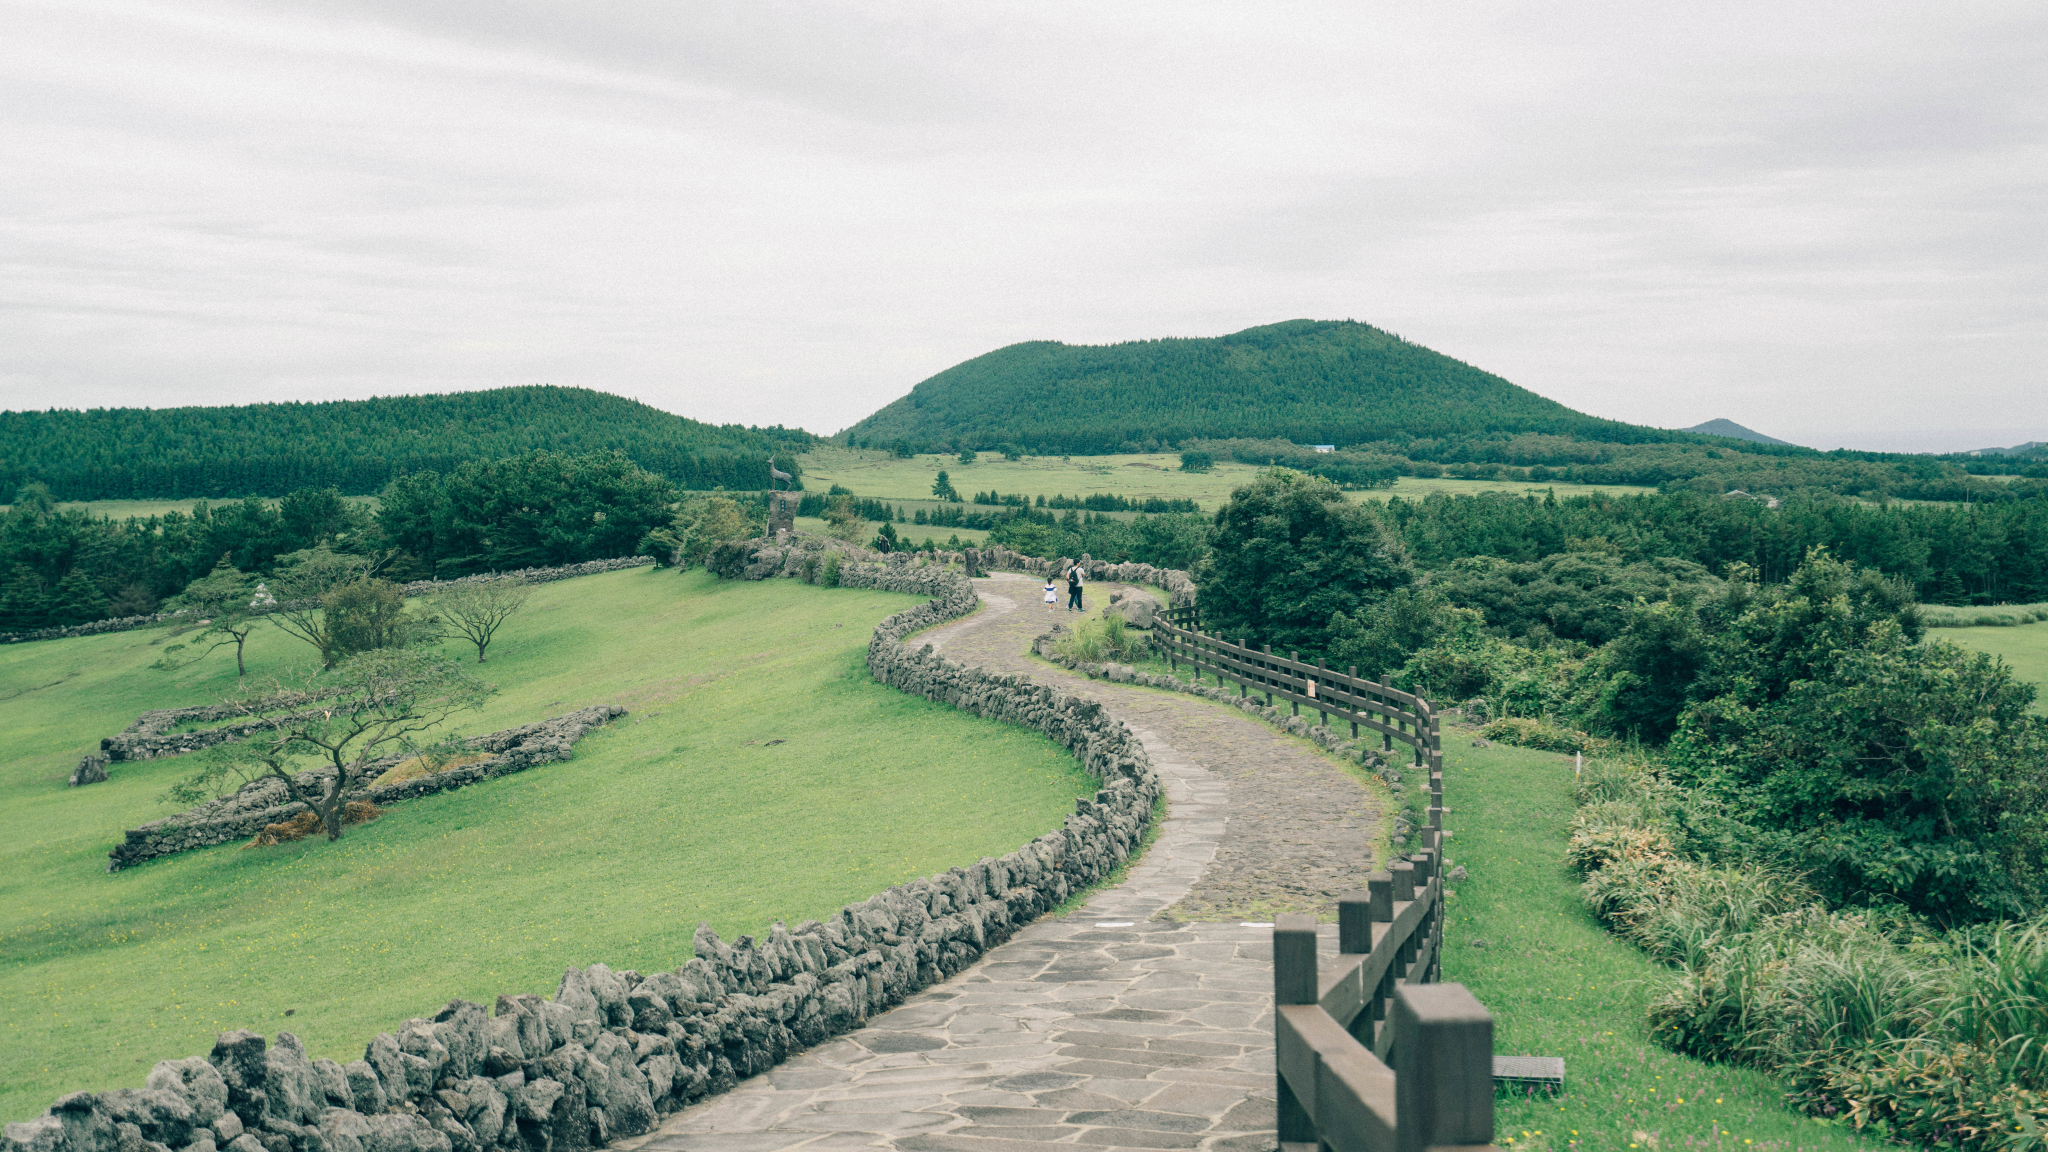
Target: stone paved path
1123,1025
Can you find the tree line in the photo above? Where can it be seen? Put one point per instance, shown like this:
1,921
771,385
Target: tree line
358,446
532,510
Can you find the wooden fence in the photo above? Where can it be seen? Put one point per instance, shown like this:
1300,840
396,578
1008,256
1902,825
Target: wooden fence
1365,704
1374,1054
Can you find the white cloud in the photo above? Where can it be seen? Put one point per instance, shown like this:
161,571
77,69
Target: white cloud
1822,223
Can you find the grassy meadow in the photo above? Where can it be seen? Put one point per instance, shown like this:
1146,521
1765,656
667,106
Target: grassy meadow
761,775
871,472
123,509
1559,985
2024,648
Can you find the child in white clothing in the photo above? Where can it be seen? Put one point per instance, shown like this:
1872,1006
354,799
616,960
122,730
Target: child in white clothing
1052,595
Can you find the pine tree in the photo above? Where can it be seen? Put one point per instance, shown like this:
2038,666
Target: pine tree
78,600
26,603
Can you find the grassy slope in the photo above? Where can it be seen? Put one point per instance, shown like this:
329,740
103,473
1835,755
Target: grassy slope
877,474
1559,985
672,816
2024,648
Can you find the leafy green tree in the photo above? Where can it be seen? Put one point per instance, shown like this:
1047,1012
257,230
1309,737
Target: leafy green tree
545,508
885,540
901,449
1888,771
369,615
1582,596
476,611
227,606
1286,553
369,707
25,604
311,516
78,600
842,520
1010,452
305,580
1194,460
1381,636
699,525
942,487
416,517
967,456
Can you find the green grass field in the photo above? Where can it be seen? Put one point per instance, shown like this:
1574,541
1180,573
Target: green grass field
1559,985
878,474
914,533
123,509
2024,648
679,812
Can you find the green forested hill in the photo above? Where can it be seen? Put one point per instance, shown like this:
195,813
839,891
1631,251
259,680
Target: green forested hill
1309,381
359,445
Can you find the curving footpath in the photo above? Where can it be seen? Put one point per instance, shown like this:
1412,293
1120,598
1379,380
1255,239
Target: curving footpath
1143,1020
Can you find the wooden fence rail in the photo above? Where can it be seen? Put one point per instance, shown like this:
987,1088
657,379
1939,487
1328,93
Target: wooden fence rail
1374,1053
1365,704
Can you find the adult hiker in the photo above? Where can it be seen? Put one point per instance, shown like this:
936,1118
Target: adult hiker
1074,589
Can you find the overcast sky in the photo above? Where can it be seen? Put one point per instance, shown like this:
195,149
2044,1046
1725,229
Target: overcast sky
1824,221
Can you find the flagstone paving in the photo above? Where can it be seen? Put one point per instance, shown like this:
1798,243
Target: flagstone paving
1143,1020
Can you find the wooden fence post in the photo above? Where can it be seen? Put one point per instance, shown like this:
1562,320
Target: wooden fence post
1352,672
1295,704
1294,982
1443,1068
1386,686
1242,689
1379,889
1265,671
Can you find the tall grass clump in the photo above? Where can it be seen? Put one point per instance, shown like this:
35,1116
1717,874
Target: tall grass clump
1095,639
1982,616
1869,1014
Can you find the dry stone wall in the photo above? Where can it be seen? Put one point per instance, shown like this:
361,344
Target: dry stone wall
267,801
613,1051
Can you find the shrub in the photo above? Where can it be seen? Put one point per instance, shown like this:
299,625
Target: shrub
1096,639
1543,735
828,572
727,560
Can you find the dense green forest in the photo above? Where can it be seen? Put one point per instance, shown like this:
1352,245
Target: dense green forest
1392,408
64,567
1304,380
1979,554
1710,468
358,446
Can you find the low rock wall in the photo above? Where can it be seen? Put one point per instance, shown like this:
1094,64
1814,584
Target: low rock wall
415,588
613,1051
264,802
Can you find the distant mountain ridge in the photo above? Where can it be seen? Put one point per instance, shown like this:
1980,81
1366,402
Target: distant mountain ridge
359,445
1734,431
1308,381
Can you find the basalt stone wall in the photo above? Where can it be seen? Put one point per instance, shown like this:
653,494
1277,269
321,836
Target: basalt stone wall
416,588
267,801
614,1051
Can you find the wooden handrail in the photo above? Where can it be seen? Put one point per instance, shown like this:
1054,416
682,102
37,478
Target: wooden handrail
1363,703
1336,1084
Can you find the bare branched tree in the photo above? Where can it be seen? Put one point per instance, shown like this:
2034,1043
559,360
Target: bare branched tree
370,707
479,610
